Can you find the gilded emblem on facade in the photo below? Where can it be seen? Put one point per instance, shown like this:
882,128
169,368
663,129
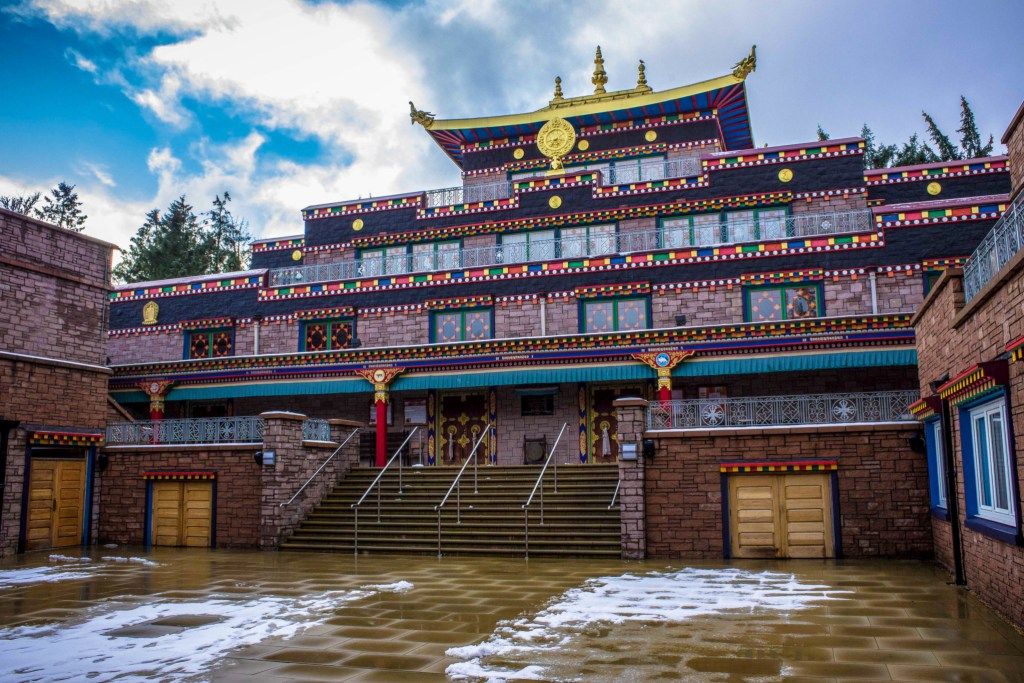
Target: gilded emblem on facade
556,139
934,188
785,175
297,255
651,135
150,312
357,224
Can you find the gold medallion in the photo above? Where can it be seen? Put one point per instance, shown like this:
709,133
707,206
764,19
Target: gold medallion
934,188
555,202
786,174
556,139
297,255
583,145
518,153
651,135
149,313
357,224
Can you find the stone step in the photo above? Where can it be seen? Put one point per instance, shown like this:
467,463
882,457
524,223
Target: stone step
426,549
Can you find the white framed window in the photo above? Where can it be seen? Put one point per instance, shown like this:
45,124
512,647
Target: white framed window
389,261
990,452
589,240
521,247
938,458
436,256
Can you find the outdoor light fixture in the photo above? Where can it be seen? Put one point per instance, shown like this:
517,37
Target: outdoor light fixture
628,451
265,458
102,461
648,449
916,444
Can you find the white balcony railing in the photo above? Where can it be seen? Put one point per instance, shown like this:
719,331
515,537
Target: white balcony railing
999,246
775,411
206,430
707,235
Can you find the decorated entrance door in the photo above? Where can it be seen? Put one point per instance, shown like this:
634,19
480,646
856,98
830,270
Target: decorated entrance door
462,419
182,513
56,503
603,426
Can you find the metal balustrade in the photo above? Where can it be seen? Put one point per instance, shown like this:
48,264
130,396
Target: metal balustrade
316,430
189,431
999,246
623,242
774,411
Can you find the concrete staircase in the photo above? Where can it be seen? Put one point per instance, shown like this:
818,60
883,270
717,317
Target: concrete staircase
577,521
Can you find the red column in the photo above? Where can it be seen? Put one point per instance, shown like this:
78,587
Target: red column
381,408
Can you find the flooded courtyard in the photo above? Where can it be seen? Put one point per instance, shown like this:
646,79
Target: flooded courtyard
220,615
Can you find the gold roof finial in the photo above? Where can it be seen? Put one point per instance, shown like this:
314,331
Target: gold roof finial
641,77
558,90
746,65
600,77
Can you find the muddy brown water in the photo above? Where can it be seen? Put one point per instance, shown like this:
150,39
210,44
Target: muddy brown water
226,615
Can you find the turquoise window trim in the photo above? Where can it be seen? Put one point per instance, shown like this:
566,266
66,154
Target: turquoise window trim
209,332
329,323
462,321
819,298
615,301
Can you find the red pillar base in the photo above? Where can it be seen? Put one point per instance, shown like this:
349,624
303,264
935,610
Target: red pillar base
381,408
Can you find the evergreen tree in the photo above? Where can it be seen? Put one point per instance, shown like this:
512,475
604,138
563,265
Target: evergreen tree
947,150
19,204
970,138
230,237
63,208
914,152
822,135
175,244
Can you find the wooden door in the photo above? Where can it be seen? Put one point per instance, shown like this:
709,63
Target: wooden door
182,513
56,503
463,419
780,516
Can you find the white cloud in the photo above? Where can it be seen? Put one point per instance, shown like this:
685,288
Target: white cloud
81,61
100,173
162,103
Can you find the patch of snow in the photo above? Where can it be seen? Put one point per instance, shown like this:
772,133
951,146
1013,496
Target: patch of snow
135,560
396,587
67,558
22,577
110,545
85,651
656,597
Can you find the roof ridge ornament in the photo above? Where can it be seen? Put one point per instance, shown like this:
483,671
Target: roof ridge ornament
745,66
641,78
424,118
600,78
558,91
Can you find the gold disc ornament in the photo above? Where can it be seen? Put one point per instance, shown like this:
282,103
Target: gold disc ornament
357,224
934,188
519,153
556,139
785,175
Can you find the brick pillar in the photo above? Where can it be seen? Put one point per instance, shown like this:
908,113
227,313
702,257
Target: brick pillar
283,435
631,414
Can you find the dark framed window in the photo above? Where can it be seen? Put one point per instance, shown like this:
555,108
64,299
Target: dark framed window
783,302
464,324
209,343
613,315
326,335
930,278
936,464
531,405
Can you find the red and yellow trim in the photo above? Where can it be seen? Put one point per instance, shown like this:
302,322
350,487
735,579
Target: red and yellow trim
778,466
190,474
44,437
973,382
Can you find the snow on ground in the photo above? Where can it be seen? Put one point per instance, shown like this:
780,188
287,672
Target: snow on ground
135,560
63,568
92,648
655,597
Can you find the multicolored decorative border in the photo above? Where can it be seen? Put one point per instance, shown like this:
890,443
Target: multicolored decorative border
926,408
458,302
783,276
181,475
278,244
769,156
617,289
1016,349
975,212
943,263
369,206
316,313
975,381
47,437
512,348
931,172
779,466
204,287
223,321
671,257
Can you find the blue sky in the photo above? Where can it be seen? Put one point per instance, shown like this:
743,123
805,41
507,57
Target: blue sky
287,103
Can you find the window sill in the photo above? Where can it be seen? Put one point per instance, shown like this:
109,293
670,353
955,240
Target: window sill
940,513
1000,532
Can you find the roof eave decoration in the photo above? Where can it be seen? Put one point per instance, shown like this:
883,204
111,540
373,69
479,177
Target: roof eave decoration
976,381
726,94
926,408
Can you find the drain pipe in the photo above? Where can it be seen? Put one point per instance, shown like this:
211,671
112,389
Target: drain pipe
874,293
543,314
952,498
257,322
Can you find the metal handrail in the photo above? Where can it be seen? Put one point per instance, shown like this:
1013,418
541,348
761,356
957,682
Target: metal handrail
319,469
243,429
615,495
1003,241
355,505
458,489
667,237
540,478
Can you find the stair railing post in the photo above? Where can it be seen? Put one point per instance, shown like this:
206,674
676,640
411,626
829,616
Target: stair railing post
439,532
457,487
540,483
355,534
375,482
526,530
458,502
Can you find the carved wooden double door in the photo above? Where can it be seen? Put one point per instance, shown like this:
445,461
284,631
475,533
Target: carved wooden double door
463,418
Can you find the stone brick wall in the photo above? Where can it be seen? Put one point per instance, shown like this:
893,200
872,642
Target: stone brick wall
850,202
150,347
393,328
513,427
1013,138
721,305
952,336
899,292
517,319
883,487
563,316
312,258
631,418
122,502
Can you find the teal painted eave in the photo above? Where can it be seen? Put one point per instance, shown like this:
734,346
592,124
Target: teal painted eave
554,375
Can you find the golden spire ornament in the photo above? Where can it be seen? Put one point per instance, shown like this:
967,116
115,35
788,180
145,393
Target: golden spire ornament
641,77
558,90
600,78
